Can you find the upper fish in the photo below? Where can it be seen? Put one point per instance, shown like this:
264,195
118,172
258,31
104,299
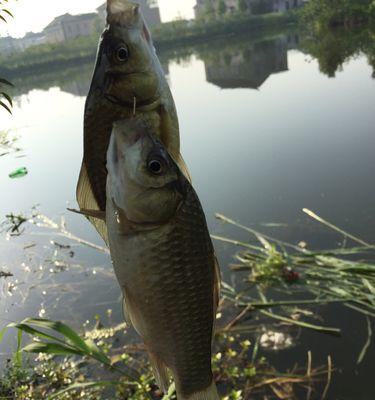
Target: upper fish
128,80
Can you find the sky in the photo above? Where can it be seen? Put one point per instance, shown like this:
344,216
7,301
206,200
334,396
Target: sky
34,15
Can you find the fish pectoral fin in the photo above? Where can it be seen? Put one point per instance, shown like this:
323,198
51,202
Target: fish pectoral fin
160,371
126,311
183,167
89,213
86,201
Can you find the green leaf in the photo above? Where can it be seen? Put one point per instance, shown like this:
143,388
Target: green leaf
61,328
7,97
2,104
2,18
78,386
52,348
8,12
31,331
97,353
18,354
5,82
2,333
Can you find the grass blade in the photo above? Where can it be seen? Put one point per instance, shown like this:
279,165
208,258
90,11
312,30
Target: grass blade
61,328
363,352
258,234
31,331
79,386
97,353
52,348
2,333
323,329
18,354
335,228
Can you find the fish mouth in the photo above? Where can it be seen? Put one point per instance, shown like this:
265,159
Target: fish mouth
135,105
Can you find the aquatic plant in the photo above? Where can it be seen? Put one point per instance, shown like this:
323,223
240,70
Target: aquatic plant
238,370
269,266
302,277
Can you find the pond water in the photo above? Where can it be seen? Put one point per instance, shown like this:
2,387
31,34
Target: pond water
269,126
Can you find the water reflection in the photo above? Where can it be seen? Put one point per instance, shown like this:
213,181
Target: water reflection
245,62
74,80
315,150
333,48
247,65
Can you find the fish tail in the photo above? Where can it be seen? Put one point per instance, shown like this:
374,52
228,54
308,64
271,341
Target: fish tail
160,372
207,394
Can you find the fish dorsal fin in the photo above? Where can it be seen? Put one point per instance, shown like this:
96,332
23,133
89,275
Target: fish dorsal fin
124,13
86,201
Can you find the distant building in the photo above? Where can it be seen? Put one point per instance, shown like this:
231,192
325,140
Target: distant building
8,45
69,26
150,11
253,6
31,39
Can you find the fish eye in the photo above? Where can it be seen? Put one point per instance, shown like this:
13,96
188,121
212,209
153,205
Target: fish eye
122,53
155,166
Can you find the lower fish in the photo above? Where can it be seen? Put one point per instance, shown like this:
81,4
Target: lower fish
163,258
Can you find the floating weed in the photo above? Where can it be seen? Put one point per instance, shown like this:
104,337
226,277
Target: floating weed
317,277
8,143
13,224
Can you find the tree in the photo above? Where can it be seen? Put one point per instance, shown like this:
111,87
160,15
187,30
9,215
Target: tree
209,8
242,5
222,7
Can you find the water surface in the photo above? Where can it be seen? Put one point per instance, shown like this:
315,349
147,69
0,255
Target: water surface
267,129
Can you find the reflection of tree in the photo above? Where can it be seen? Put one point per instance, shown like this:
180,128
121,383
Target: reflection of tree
332,48
246,63
74,80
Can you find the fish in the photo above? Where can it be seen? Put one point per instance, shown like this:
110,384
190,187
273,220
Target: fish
163,258
128,80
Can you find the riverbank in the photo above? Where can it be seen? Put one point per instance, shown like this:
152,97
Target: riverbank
170,36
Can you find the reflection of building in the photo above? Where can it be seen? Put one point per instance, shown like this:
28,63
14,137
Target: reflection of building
69,26
253,6
248,67
150,11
